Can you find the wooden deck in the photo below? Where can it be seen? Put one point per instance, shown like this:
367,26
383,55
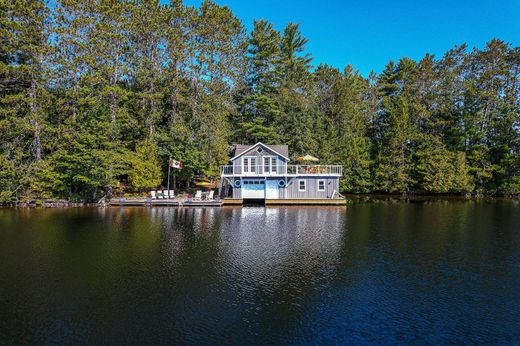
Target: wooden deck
164,203
202,204
231,201
291,201
306,201
226,202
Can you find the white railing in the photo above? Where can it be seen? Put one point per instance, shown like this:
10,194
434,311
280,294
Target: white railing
286,170
315,169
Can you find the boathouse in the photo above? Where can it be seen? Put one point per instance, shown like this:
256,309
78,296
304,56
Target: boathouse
264,172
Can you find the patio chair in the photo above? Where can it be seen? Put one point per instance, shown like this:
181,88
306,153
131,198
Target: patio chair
210,195
153,193
334,193
165,194
160,194
172,195
198,196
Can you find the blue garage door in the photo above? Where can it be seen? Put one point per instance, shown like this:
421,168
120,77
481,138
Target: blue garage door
253,189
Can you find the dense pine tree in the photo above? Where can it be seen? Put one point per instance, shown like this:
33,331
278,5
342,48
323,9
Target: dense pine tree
95,96
24,52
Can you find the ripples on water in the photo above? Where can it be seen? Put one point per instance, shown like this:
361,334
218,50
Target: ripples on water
406,272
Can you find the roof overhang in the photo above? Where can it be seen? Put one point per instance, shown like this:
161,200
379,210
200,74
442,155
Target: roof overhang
263,145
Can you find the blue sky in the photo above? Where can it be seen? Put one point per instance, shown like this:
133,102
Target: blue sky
367,34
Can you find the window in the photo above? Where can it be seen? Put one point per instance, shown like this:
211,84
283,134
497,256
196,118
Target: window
246,164
269,164
253,164
253,182
249,164
302,185
321,185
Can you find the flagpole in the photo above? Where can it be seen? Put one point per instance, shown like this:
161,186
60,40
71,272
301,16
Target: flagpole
169,176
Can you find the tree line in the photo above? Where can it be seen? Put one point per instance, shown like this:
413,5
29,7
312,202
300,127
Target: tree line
95,96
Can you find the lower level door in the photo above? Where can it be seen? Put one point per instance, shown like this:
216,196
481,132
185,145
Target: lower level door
271,189
253,189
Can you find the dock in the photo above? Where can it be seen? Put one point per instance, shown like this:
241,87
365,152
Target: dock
202,204
223,202
163,203
306,201
287,201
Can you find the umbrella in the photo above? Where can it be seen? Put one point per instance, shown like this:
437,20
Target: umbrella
203,184
307,158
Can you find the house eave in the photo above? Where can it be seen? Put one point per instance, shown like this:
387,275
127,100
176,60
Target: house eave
254,146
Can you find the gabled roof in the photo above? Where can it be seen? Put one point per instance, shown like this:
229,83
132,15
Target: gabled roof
281,150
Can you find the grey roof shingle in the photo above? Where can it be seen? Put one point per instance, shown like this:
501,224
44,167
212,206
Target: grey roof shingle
237,149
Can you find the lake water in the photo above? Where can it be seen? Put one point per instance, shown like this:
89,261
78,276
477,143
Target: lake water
380,272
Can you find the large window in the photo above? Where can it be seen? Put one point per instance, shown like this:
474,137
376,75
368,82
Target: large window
249,164
269,164
321,185
302,185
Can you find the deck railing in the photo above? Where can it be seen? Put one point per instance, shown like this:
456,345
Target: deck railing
289,170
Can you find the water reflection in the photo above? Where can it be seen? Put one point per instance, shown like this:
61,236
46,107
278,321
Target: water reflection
382,271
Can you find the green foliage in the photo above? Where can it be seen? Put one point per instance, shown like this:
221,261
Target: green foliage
440,170
144,170
394,160
96,96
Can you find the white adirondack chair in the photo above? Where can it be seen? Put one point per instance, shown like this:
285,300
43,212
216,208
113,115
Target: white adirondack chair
210,195
165,193
153,193
172,195
334,193
198,196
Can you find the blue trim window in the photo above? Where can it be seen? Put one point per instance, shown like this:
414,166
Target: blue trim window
321,185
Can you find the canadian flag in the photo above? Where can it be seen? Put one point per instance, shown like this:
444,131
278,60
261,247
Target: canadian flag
175,164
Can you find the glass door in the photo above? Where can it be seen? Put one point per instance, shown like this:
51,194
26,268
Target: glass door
269,165
249,165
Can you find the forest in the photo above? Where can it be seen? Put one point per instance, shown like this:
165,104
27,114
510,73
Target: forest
95,96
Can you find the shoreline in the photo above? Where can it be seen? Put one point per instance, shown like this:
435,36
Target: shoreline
348,197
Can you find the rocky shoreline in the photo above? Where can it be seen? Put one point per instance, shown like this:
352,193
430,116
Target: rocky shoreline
53,204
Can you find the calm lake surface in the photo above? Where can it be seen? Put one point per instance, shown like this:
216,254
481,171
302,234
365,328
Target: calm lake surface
380,271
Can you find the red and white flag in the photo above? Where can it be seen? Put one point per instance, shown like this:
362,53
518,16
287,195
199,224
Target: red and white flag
175,164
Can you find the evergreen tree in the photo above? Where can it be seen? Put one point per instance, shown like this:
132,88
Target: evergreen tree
96,96
297,111
352,120
440,170
259,105
23,94
393,172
